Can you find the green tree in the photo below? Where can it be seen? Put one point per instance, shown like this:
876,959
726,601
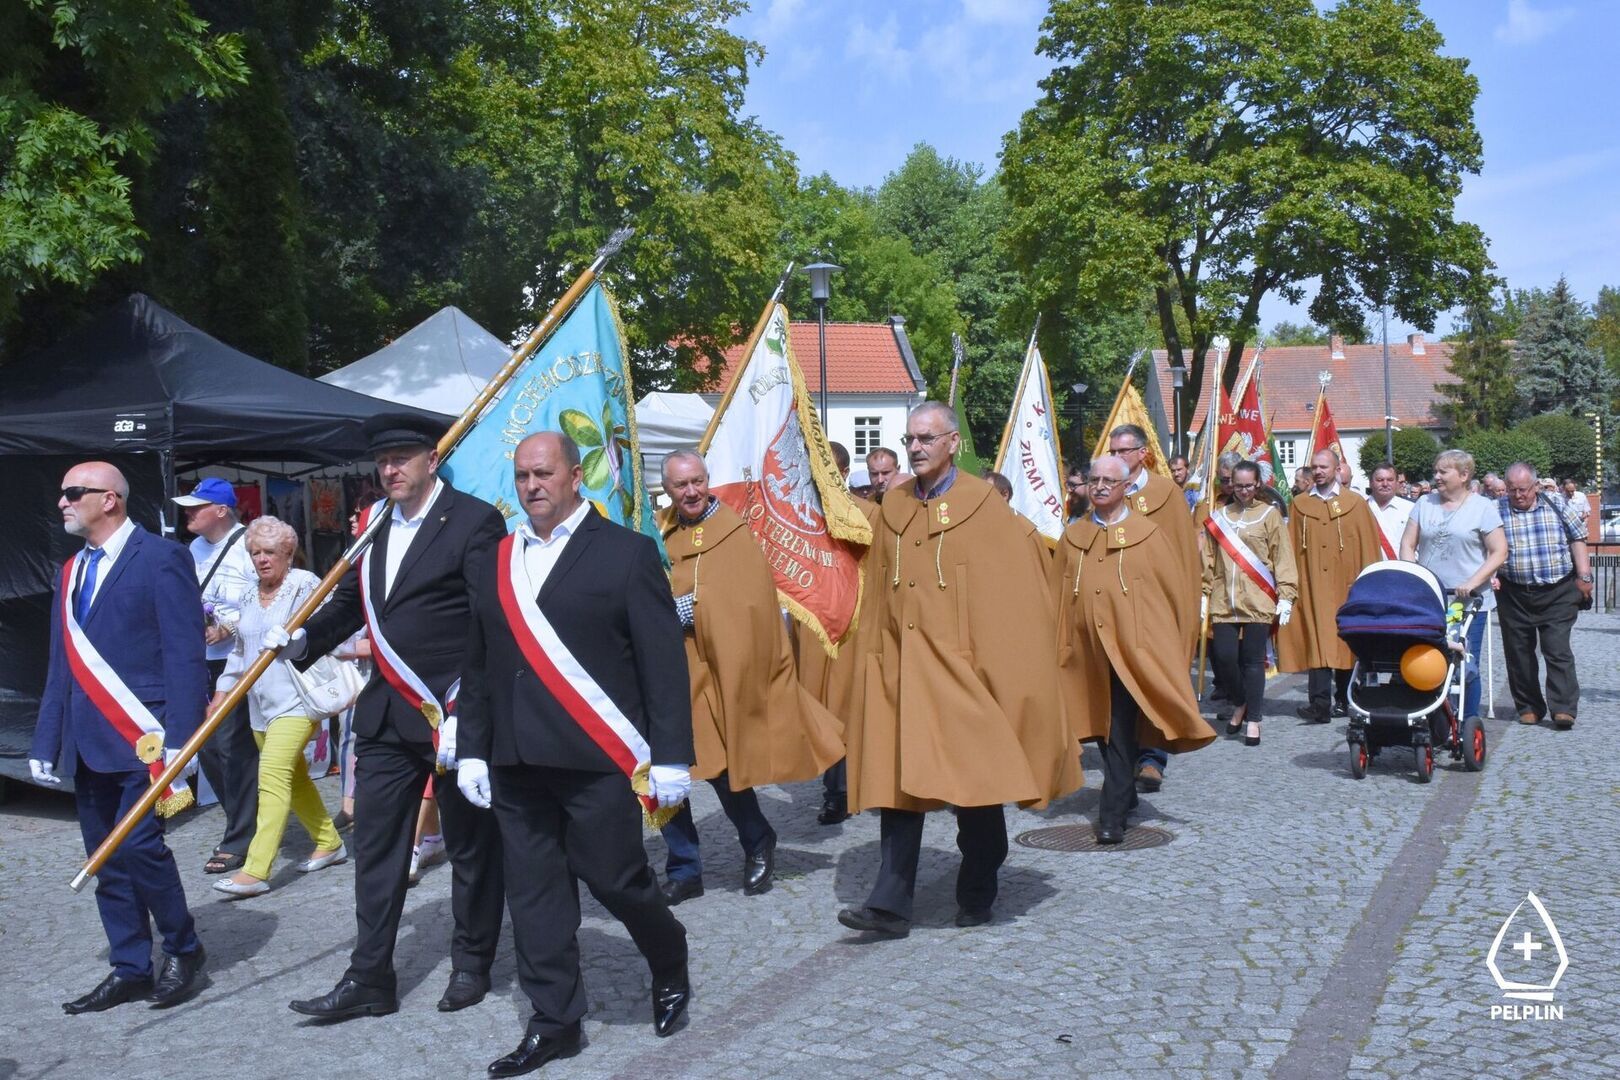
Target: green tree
81,85
1484,395
1559,371
1494,451
1287,333
1415,450
1571,444
1216,152
1606,328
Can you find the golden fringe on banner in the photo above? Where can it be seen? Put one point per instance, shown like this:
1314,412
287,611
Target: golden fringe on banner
1129,409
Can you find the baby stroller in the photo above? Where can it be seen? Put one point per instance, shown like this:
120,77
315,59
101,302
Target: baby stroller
1393,606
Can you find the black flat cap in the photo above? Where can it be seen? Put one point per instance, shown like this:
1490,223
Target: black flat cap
387,430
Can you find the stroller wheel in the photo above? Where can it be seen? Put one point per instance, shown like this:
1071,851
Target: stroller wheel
1358,760
1425,762
1473,744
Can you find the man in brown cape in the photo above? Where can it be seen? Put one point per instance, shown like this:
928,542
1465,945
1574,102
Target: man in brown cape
836,682
961,695
752,721
1117,581
1334,535
1153,496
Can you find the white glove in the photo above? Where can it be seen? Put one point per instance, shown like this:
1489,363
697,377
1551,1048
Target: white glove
191,766
1285,611
670,784
292,645
472,777
447,743
1203,608
44,772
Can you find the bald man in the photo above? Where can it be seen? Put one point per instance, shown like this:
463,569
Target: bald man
129,600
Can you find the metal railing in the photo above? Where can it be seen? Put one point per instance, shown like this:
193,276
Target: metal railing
1606,589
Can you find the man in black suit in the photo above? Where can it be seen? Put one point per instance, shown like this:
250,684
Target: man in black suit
575,682
415,598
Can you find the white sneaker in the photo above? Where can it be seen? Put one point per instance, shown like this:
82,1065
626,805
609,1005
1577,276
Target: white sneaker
430,852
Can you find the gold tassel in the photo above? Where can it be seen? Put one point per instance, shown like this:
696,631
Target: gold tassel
1124,590
896,582
170,805
1079,565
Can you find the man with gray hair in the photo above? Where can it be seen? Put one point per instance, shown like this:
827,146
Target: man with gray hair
1545,582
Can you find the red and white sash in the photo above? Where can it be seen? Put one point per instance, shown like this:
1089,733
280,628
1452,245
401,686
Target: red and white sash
126,713
562,674
1383,542
1226,535
395,671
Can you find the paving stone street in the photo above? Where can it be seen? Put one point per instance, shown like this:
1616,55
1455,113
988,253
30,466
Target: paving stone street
1300,923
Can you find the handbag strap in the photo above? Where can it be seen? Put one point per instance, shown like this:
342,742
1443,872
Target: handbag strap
219,559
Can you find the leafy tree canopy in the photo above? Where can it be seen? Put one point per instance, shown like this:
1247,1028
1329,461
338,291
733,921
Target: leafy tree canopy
1217,151
1415,450
1494,451
1571,444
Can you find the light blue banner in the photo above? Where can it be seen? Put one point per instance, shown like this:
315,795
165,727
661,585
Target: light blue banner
578,383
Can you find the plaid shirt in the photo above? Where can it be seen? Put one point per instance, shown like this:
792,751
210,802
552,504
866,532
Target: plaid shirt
1538,541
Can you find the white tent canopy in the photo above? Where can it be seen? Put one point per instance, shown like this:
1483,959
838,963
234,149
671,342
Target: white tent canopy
439,364
666,422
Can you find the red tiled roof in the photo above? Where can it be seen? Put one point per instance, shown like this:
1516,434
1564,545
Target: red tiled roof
862,358
1356,394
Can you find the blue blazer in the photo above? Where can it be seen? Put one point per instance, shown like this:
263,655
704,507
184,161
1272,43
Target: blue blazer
147,622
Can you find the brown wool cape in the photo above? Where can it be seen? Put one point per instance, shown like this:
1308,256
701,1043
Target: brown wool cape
837,682
751,719
1162,501
961,696
1333,539
1117,594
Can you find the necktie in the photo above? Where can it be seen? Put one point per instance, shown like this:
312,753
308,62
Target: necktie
87,587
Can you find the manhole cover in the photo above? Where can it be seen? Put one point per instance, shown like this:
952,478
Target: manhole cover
1084,838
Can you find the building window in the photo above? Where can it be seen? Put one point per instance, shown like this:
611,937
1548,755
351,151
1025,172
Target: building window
1286,453
868,434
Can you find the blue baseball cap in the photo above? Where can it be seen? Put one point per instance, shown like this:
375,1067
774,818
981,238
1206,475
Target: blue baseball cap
210,491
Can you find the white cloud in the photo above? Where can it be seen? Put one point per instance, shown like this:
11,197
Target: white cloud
779,16
1527,24
879,50
1012,12
1551,173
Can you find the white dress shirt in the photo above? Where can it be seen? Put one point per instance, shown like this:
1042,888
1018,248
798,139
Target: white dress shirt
539,556
1331,493
403,530
109,555
1392,519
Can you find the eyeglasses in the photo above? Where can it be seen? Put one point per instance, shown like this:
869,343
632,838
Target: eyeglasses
1126,449
75,493
924,440
1244,487
1104,483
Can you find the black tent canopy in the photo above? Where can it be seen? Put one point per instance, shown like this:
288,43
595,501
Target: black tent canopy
138,378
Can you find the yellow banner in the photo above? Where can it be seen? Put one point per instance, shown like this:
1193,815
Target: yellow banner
1129,409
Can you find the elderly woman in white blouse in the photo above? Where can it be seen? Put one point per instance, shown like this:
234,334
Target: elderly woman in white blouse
280,721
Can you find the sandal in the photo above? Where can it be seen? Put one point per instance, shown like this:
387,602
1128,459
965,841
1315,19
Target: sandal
223,863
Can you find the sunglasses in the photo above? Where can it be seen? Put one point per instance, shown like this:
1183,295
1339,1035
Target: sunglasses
75,493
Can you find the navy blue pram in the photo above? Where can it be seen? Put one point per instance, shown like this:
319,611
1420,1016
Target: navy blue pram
1391,607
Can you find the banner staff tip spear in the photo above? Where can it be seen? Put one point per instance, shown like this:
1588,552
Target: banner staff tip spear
261,664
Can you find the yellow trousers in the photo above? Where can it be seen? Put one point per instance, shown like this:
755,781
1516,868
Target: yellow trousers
284,784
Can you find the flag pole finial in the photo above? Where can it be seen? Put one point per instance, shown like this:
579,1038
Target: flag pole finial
1324,377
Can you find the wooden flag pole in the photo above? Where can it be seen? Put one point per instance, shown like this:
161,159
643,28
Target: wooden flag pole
1211,412
262,662
748,351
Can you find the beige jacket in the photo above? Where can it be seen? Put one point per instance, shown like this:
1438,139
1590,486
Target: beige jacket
1233,595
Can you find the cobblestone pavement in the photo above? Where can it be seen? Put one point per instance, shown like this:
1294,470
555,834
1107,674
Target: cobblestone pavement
1301,923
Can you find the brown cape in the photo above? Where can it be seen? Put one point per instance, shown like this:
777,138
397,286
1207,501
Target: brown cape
1333,540
837,682
1117,595
1163,502
961,696
750,717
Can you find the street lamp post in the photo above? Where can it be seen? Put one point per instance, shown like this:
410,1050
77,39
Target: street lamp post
1081,456
1389,411
820,289
1178,383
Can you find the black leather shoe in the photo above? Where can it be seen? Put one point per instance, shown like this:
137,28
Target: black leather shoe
758,869
113,991
534,1051
834,809
177,978
669,1000
676,890
1311,713
1110,834
466,988
874,921
1341,708
348,999
966,918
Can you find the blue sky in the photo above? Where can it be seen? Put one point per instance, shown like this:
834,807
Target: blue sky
852,85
